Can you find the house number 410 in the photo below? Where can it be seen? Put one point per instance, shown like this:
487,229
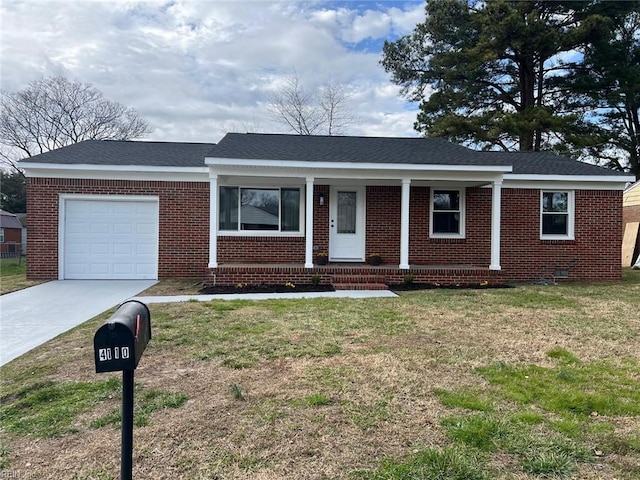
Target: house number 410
105,354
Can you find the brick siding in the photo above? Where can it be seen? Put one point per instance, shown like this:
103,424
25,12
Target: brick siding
184,234
593,255
281,274
12,244
184,222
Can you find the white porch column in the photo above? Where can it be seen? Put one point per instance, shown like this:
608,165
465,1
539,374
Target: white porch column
308,252
495,224
404,224
213,220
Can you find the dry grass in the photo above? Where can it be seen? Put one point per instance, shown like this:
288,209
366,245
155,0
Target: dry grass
331,387
175,286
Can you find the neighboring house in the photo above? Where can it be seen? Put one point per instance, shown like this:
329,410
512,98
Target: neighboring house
257,208
10,235
631,224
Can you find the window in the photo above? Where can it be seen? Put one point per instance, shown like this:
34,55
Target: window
347,212
556,214
259,209
1,235
447,213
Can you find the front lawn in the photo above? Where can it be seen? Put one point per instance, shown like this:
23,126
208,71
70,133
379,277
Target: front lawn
13,275
525,383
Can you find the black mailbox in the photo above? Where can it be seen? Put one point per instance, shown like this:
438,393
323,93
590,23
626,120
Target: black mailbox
119,343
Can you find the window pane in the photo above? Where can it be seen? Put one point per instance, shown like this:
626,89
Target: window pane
346,212
555,202
259,209
446,200
554,224
228,211
446,222
290,201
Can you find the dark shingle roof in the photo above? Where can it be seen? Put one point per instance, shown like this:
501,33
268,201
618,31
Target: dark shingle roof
115,152
316,148
547,163
258,146
9,220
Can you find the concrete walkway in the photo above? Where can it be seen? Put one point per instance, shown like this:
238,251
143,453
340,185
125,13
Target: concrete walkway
35,315
32,316
269,296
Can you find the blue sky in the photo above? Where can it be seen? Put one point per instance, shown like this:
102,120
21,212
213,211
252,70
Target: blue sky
199,68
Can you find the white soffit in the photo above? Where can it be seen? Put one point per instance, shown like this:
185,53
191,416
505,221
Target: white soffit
116,172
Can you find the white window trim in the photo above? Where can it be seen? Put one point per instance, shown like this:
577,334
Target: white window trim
570,216
463,207
1,235
265,233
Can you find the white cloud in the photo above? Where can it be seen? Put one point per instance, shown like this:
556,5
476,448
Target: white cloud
194,68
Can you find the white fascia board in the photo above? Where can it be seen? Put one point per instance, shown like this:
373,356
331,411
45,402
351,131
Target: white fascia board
376,176
112,172
297,164
567,182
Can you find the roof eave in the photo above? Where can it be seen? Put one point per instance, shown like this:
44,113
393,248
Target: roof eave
564,178
300,164
34,167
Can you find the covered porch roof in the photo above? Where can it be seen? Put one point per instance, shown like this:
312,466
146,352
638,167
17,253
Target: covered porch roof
333,160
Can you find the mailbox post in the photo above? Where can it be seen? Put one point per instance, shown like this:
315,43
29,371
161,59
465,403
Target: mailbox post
118,346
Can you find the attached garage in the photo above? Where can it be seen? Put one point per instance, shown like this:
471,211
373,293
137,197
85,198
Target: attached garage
106,237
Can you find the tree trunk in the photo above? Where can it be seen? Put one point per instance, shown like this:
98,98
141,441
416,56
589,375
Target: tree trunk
527,102
634,150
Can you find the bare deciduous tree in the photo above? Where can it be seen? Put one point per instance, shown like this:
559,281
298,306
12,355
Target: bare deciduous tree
334,100
55,112
324,112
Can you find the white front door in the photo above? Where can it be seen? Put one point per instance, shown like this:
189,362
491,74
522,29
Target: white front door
347,224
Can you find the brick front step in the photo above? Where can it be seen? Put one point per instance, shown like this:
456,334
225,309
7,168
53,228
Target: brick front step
360,286
358,279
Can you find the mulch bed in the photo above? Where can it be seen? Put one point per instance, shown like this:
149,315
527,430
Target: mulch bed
264,288
402,287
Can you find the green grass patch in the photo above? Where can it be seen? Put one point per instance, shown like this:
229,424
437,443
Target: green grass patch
548,462
145,403
563,355
10,267
580,389
528,418
48,409
236,392
484,432
539,450
5,457
449,463
550,429
465,398
13,275
314,400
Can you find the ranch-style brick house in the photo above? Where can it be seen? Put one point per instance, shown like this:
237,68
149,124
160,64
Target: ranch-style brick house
263,208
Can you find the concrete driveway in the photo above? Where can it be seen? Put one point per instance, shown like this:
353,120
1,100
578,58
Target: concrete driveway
32,316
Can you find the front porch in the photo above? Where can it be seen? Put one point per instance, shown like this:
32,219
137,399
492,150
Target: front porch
353,276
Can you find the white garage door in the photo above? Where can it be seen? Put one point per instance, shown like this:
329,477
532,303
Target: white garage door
110,239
